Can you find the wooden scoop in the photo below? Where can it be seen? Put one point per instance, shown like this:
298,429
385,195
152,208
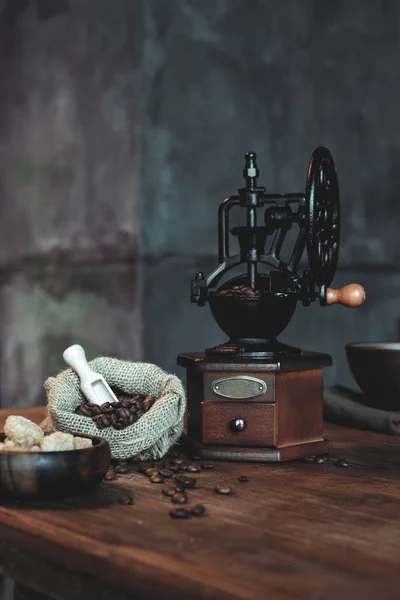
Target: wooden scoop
351,295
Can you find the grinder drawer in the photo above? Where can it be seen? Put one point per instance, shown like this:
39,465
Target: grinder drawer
238,423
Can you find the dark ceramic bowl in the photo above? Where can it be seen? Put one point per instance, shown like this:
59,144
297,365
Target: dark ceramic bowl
52,475
376,368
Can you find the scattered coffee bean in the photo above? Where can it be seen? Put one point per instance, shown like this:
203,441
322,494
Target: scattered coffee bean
174,468
196,457
152,471
122,468
179,487
207,466
110,475
309,459
198,511
182,468
169,490
193,469
177,461
179,513
341,462
223,489
166,473
187,482
320,460
243,479
179,498
143,467
126,500
156,479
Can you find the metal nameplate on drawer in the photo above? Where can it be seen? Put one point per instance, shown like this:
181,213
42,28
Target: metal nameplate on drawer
239,386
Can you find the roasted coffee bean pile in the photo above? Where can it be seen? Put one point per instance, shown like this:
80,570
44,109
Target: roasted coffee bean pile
239,291
119,414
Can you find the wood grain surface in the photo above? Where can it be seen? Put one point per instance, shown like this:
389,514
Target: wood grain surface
294,531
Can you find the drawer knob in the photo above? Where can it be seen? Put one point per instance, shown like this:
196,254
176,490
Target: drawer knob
237,424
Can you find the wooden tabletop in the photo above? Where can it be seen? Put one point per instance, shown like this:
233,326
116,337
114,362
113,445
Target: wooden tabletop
294,531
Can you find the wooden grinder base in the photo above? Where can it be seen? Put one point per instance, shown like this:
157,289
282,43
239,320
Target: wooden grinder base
267,410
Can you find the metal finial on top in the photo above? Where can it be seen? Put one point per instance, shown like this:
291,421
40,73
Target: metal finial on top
250,171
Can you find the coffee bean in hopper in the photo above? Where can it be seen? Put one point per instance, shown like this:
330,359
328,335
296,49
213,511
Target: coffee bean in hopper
223,489
179,513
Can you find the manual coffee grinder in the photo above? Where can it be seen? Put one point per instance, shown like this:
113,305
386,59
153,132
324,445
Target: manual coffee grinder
254,398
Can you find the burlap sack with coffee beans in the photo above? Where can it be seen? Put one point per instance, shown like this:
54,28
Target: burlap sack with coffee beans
151,436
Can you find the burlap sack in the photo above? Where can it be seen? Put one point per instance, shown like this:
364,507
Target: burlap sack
151,436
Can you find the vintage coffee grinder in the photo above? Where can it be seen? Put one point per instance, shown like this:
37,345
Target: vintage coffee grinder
254,398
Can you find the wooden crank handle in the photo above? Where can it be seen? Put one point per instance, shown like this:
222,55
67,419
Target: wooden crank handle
351,295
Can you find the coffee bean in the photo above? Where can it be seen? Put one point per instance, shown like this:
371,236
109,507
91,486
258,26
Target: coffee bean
320,460
122,468
116,404
132,419
139,414
113,420
193,469
341,462
179,498
110,475
169,490
179,487
156,479
85,411
187,482
105,406
207,466
95,410
243,479
223,489
196,457
174,468
105,419
309,459
198,510
122,413
98,422
179,513
152,471
126,500
118,426
148,403
166,473
177,461
144,466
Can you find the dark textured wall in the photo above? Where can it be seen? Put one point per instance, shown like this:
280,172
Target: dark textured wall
278,77
123,124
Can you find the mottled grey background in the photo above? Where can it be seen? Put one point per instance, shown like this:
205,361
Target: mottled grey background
123,124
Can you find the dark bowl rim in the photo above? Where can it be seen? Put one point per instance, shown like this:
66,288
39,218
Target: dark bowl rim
375,346
101,442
